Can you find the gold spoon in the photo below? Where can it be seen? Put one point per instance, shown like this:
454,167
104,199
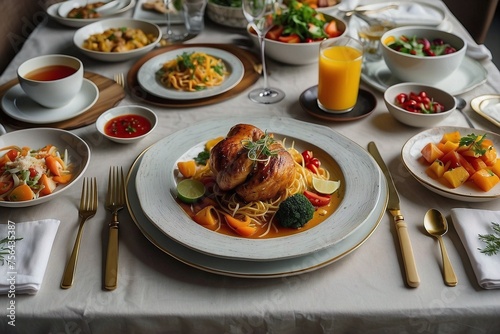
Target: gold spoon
435,223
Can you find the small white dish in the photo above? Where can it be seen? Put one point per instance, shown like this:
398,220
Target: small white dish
146,76
52,11
156,189
469,75
140,13
487,106
99,27
18,105
78,151
122,111
411,157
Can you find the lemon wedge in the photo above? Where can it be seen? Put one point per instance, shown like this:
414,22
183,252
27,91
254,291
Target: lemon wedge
325,186
189,190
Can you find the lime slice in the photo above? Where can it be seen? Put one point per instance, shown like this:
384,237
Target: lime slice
325,186
189,190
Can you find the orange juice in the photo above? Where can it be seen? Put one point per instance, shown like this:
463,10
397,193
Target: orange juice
339,76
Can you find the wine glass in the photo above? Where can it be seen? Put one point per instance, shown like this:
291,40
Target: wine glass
170,35
259,14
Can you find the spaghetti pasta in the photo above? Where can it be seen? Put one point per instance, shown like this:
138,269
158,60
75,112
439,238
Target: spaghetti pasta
192,72
261,213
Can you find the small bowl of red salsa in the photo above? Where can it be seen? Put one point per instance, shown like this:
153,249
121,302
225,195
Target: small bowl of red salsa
126,124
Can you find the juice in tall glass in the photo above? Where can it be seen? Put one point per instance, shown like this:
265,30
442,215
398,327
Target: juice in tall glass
340,62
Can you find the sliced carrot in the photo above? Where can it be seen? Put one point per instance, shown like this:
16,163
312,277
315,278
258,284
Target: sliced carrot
187,168
207,217
48,185
63,178
490,156
496,167
21,193
53,165
243,228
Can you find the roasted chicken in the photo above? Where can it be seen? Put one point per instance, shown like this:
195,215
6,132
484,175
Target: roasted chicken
262,178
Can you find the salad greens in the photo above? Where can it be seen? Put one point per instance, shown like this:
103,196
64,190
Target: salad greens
419,46
302,20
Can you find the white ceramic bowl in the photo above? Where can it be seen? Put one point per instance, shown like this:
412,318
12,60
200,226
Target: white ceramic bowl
226,16
427,70
126,110
418,119
295,53
51,93
78,151
99,27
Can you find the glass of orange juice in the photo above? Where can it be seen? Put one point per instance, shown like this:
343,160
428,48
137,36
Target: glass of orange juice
340,62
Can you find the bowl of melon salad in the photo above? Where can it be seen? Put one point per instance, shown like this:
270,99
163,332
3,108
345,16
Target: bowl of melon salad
458,163
297,33
38,165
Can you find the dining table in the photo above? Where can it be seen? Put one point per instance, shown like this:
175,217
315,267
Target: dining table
361,290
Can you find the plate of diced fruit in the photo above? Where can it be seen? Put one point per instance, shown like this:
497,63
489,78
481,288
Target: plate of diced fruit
458,163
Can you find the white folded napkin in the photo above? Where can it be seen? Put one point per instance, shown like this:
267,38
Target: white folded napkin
24,266
469,223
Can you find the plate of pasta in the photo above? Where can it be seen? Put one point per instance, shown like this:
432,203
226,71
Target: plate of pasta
190,73
357,199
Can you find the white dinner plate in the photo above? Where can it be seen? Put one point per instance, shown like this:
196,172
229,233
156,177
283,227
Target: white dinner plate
140,13
248,269
68,6
408,13
411,157
18,105
487,106
36,138
53,12
469,75
360,178
146,76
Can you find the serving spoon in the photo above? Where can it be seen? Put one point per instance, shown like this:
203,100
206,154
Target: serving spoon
436,225
461,105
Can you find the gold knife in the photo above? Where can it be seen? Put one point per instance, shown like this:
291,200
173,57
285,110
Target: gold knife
394,208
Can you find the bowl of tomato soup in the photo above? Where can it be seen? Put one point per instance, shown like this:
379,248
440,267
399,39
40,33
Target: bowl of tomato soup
51,80
127,124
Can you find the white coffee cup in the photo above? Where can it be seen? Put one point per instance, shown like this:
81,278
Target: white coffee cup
51,80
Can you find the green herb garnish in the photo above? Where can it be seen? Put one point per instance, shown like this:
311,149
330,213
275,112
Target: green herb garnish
492,241
259,150
474,143
202,157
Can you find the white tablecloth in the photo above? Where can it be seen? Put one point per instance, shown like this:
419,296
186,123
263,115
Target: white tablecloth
363,292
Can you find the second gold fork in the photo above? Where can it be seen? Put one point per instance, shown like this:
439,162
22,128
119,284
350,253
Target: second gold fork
115,201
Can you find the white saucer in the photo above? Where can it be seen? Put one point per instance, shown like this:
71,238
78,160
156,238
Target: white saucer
469,75
18,105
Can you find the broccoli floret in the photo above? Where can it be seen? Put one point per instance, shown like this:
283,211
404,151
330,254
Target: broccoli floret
295,211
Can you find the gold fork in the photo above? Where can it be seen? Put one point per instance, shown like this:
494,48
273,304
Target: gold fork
115,201
120,79
88,208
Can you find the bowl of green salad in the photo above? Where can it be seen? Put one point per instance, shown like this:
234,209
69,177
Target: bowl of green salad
422,54
227,13
297,33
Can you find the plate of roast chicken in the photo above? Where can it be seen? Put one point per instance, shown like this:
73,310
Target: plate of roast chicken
248,168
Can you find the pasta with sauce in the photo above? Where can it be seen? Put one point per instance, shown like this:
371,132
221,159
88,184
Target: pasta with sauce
192,72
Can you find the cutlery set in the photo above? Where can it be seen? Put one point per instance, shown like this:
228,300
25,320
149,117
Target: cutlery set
115,201
434,222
